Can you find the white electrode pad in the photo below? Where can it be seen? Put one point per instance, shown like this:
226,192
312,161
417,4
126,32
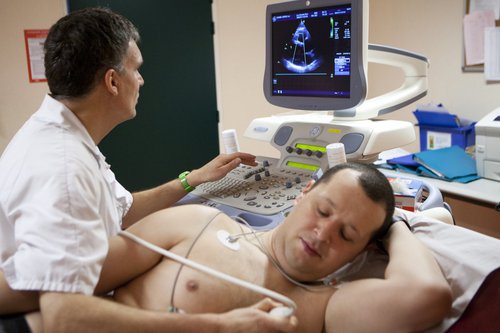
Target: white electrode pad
223,237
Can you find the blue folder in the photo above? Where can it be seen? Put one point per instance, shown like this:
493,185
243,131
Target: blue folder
452,164
403,161
403,164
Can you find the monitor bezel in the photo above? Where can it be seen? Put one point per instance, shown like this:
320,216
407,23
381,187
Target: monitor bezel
359,47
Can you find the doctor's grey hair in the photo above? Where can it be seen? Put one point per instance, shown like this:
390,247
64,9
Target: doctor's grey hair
82,46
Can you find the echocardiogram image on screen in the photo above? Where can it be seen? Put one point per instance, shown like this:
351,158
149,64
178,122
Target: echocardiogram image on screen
311,52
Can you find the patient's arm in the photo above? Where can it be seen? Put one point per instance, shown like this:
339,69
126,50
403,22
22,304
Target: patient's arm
413,296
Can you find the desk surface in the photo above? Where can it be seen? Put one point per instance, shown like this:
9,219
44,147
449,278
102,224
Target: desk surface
482,189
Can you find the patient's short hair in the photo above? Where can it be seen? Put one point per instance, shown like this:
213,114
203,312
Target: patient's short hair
376,187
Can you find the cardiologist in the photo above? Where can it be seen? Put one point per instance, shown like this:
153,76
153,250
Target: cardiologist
60,202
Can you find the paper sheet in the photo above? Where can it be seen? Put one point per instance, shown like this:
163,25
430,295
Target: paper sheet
474,25
492,54
388,154
480,5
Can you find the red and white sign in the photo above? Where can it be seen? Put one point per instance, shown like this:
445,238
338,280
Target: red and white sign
34,40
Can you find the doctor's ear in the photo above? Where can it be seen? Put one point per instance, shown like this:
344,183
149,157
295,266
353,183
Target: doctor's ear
110,81
306,189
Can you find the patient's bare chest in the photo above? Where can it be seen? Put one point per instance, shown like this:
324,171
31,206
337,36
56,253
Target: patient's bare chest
197,292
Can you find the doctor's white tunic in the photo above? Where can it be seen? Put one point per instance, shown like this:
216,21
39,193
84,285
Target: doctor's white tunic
59,204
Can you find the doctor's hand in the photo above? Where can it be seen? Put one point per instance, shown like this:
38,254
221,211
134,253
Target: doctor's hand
219,167
256,319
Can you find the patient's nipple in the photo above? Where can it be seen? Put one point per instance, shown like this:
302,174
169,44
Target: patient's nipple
192,285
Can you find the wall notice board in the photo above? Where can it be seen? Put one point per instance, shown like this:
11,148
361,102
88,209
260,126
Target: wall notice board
478,13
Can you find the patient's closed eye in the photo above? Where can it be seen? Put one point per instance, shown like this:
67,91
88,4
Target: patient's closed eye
324,210
323,213
343,235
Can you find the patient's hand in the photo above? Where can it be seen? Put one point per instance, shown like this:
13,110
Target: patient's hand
219,167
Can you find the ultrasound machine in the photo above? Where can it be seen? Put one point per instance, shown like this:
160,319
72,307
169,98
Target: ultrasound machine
317,56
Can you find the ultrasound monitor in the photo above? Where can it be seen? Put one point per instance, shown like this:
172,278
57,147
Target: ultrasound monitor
315,54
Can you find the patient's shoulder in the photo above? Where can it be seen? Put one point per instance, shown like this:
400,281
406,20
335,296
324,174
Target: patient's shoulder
193,211
189,216
173,225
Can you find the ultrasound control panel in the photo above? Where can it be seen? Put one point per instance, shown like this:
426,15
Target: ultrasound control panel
265,189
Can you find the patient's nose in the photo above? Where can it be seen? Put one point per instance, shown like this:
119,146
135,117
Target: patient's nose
325,230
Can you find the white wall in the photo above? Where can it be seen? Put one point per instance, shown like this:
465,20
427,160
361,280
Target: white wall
19,98
429,27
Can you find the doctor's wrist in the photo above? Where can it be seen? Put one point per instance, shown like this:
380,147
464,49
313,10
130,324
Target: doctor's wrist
186,185
194,178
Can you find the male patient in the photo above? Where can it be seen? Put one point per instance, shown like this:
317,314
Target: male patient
336,219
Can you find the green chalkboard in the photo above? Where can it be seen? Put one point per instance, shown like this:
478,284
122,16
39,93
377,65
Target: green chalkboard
176,124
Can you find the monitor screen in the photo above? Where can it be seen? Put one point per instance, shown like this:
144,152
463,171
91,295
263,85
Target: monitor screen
314,54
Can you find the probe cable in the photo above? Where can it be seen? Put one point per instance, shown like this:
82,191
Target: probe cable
228,278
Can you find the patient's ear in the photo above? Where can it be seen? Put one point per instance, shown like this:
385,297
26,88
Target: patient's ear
306,189
308,186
